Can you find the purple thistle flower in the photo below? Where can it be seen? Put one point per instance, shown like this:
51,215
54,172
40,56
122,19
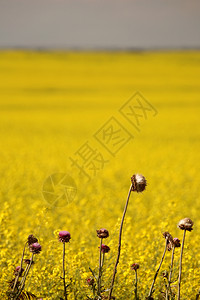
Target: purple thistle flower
64,236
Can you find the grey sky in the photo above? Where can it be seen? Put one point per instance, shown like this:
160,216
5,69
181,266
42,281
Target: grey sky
100,23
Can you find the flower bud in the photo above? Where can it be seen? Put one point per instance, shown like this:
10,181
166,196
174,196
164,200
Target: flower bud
169,238
186,224
138,183
104,248
19,271
176,242
35,248
64,236
102,233
28,261
32,239
135,266
90,281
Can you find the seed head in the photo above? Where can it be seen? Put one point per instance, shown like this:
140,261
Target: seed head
135,266
64,236
138,183
176,242
18,270
90,281
104,248
32,239
186,224
35,248
102,233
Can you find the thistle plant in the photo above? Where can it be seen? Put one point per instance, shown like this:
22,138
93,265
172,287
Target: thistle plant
102,234
64,237
138,184
168,243
135,267
185,224
16,285
175,244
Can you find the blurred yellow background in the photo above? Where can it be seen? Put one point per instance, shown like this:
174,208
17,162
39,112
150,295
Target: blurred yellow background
51,103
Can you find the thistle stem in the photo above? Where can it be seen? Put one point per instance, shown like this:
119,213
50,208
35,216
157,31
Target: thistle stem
135,290
100,267
119,243
156,274
64,284
170,274
17,277
22,284
180,267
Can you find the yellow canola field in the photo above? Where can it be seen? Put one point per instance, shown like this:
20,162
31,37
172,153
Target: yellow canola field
74,128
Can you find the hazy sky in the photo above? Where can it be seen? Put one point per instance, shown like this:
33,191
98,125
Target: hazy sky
100,23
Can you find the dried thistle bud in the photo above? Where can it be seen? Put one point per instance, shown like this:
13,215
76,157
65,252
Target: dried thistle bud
32,239
138,183
135,266
19,271
35,248
169,238
28,261
64,236
90,281
104,248
102,233
186,224
176,242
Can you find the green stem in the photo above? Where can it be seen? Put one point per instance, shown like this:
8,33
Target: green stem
119,243
180,267
156,274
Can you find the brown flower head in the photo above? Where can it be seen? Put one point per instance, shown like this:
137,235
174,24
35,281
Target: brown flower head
138,183
64,236
135,266
32,239
90,281
169,238
176,242
35,248
18,270
104,248
186,224
102,233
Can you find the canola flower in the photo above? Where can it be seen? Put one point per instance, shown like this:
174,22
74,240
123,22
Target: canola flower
50,102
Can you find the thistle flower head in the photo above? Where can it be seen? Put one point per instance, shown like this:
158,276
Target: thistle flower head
18,270
138,183
32,239
186,224
64,236
102,233
176,242
135,266
104,248
35,248
90,281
